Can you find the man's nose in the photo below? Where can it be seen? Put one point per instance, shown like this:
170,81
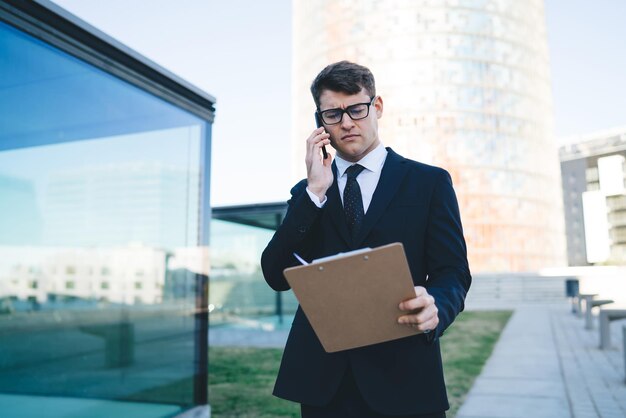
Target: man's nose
346,121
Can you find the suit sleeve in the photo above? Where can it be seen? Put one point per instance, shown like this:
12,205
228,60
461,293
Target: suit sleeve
293,235
448,271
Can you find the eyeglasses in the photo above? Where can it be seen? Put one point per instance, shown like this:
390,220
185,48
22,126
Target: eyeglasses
356,111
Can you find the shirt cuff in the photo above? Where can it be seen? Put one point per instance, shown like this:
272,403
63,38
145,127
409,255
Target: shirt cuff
319,203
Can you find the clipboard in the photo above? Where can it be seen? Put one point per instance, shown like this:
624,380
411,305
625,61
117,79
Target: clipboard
352,300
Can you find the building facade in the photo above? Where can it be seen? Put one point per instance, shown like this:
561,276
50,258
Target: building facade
593,170
104,224
466,86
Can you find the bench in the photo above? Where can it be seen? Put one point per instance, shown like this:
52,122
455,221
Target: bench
589,305
587,297
606,316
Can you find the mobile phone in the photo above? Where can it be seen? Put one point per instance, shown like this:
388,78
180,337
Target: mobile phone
318,122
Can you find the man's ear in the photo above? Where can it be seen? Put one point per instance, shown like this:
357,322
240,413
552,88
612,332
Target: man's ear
378,105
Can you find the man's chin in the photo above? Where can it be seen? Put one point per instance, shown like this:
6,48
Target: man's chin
351,155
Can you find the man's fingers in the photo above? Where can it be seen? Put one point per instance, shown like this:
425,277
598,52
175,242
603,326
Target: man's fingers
425,320
420,290
424,315
424,326
317,148
417,303
314,143
321,143
427,314
314,135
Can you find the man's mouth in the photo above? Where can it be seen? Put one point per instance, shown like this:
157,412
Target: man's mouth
345,137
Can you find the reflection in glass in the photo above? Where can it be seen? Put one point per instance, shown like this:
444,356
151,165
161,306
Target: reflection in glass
238,294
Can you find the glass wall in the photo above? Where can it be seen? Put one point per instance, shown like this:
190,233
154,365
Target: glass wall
238,293
100,189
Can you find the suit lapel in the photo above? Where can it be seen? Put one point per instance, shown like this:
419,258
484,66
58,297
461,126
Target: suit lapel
335,209
391,177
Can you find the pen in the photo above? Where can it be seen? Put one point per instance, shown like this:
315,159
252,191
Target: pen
300,259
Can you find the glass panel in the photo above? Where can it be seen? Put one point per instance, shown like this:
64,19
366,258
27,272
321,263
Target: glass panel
238,294
99,233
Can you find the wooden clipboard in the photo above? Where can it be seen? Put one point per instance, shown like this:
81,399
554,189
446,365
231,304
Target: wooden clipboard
352,301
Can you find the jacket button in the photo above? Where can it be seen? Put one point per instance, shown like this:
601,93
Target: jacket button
302,229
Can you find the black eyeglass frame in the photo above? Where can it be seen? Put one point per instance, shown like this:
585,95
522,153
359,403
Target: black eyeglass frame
346,110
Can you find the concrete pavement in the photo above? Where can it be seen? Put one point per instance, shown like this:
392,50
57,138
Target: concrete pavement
546,364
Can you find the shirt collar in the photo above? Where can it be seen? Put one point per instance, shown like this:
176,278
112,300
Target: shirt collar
373,161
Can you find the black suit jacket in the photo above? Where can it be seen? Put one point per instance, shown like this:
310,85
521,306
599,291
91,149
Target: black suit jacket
415,204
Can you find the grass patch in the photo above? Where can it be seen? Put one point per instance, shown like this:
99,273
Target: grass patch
465,348
241,379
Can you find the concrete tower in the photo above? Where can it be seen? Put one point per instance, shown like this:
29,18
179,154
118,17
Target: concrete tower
466,86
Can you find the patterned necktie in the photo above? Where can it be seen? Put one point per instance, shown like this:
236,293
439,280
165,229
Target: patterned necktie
353,201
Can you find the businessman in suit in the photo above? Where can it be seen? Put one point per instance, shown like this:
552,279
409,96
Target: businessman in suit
368,196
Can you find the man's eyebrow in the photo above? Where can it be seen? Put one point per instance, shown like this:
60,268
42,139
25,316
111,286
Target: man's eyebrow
333,108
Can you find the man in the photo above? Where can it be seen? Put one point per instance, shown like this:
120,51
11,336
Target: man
367,197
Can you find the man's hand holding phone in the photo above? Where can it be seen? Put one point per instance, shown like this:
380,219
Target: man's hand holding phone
319,170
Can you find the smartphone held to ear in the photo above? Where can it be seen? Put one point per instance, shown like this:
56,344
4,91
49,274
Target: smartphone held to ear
318,122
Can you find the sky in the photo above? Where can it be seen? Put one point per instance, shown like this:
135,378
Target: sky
239,51
587,64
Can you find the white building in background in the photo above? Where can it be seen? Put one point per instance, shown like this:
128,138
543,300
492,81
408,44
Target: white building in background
466,86
593,171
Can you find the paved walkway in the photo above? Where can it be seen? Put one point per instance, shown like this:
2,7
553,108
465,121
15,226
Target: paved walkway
546,364
247,338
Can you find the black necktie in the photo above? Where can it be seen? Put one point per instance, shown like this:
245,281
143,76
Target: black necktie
353,201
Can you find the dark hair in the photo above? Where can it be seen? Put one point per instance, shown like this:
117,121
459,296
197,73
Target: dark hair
345,77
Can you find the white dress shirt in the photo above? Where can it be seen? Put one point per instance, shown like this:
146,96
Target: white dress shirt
368,179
